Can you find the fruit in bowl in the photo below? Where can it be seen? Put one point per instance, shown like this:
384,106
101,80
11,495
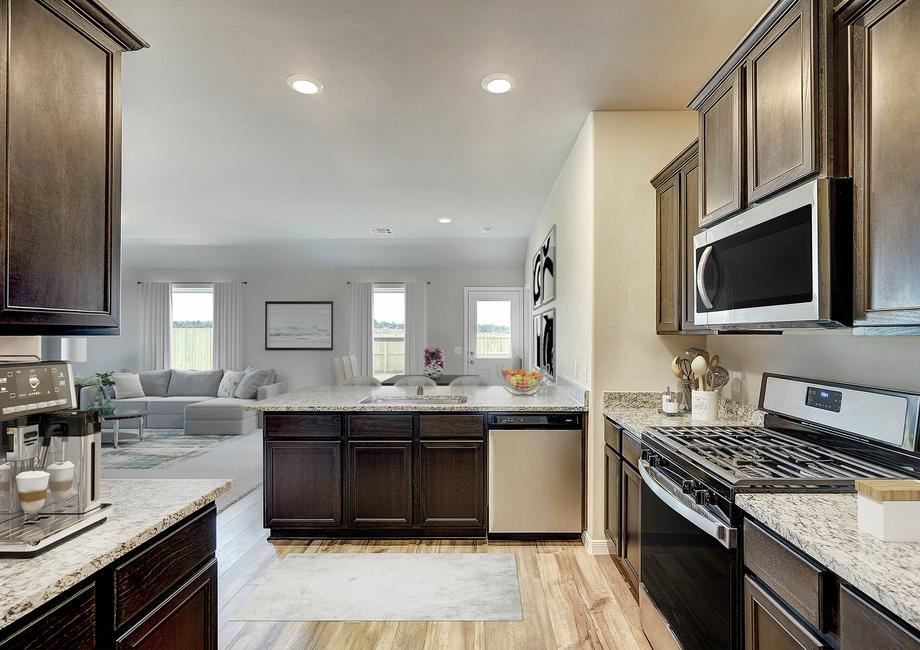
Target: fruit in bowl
522,382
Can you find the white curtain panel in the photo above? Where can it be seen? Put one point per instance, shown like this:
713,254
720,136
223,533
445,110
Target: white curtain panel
228,313
416,326
362,327
156,318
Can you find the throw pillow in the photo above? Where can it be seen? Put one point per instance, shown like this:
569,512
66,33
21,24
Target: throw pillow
230,382
252,381
194,383
155,382
127,385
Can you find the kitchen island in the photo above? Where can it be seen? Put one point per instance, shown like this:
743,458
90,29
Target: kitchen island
351,461
148,572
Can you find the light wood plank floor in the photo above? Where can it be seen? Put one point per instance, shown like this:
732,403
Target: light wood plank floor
570,599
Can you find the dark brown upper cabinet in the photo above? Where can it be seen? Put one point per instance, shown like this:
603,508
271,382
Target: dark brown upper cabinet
677,196
721,151
884,60
61,110
781,104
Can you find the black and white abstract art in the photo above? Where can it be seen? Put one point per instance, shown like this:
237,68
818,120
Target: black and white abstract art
298,325
543,280
545,342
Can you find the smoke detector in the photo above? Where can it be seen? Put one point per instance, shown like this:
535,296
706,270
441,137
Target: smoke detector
381,231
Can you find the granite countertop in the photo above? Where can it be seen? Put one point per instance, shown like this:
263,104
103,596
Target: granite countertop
639,411
824,526
479,398
140,509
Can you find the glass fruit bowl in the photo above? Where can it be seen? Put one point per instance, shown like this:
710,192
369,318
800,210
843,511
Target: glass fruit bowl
522,382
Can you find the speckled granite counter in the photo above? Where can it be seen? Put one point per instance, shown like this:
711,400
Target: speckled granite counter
479,399
824,526
638,411
140,509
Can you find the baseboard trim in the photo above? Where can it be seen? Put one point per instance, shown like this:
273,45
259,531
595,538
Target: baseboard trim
597,546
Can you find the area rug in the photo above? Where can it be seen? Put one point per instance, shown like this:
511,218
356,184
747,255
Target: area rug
388,587
158,448
235,457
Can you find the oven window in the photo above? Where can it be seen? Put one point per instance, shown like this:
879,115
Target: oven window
765,265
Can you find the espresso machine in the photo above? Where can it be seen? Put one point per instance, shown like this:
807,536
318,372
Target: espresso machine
50,459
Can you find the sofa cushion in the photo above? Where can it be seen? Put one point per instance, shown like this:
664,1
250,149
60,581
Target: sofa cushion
174,405
155,382
230,382
135,403
252,381
190,383
127,385
221,408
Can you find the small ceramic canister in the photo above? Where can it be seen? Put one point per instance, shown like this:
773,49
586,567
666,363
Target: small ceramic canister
705,406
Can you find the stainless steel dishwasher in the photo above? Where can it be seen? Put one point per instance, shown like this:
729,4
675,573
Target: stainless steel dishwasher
535,474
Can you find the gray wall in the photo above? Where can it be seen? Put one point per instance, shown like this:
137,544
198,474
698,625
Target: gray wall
297,368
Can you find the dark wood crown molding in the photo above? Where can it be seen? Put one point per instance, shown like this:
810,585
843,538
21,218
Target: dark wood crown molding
102,16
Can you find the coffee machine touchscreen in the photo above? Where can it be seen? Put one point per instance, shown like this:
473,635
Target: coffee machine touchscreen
35,387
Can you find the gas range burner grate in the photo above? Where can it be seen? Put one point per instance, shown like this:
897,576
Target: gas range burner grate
755,456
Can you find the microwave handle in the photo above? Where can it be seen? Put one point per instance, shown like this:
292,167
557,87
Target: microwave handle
700,270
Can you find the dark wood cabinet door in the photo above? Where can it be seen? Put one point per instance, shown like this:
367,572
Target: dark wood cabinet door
70,623
612,478
689,227
187,619
452,485
667,229
303,484
380,484
884,59
61,112
781,104
721,147
631,522
863,626
768,625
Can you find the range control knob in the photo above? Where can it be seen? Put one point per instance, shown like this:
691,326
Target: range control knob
702,497
687,486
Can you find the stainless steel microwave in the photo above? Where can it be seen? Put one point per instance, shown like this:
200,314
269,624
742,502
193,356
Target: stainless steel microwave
784,263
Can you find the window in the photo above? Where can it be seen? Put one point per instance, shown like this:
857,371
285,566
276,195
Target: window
493,329
191,334
389,330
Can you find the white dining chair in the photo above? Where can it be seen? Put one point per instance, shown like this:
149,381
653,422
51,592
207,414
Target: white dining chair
467,380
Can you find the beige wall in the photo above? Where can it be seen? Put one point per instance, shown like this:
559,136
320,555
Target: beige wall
604,210
886,361
570,207
629,149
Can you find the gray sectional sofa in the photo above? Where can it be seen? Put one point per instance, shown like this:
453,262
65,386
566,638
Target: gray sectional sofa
188,399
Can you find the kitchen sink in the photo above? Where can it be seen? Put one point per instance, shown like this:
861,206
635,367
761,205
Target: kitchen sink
395,400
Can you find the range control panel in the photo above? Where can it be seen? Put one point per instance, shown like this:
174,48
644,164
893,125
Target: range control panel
29,388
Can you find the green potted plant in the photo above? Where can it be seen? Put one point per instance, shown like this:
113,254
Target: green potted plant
104,380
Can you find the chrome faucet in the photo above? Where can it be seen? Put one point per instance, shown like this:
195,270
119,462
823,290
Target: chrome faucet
420,391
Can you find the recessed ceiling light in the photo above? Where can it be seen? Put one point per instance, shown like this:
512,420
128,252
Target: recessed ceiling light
498,83
381,231
485,230
444,219
304,84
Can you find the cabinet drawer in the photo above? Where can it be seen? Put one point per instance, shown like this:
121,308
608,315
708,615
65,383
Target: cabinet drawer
451,426
70,624
380,426
632,448
796,579
862,625
612,434
309,425
146,576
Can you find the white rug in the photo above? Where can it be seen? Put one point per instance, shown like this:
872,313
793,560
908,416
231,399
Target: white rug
388,587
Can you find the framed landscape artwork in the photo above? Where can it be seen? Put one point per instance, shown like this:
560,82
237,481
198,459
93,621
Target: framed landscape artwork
545,342
543,277
298,325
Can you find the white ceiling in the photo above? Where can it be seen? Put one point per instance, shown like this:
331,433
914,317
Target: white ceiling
217,146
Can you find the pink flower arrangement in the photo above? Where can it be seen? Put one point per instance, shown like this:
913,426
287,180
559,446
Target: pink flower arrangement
434,357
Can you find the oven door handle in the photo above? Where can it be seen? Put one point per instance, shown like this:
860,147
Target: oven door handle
725,535
700,271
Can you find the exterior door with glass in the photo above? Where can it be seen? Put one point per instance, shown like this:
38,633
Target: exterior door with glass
494,331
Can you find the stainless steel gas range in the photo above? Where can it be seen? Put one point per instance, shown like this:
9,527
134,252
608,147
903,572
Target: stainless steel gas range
817,436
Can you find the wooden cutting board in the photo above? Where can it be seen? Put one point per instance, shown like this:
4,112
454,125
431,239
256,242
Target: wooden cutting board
890,489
